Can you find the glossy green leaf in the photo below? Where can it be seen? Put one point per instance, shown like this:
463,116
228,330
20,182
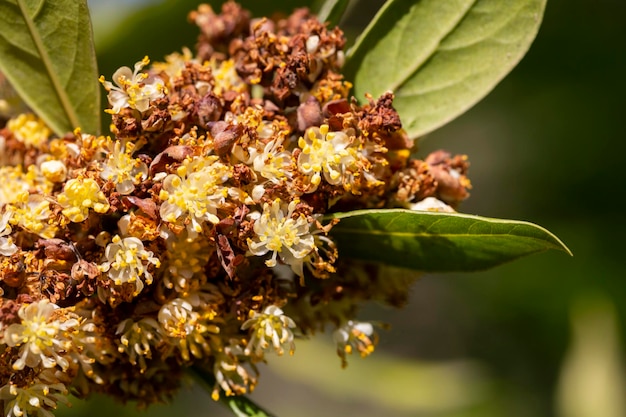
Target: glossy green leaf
440,57
47,54
437,242
332,11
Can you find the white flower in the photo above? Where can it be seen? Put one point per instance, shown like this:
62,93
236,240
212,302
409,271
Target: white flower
43,336
273,162
122,169
183,265
283,235
270,328
230,375
134,89
137,338
185,328
355,335
431,204
7,247
53,170
127,261
36,399
33,214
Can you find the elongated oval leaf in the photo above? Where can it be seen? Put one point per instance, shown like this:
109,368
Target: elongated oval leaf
332,11
437,242
47,53
441,57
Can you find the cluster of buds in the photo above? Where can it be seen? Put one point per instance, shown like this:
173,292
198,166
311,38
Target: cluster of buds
195,234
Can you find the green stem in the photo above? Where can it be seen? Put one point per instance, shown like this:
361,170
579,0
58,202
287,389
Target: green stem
240,405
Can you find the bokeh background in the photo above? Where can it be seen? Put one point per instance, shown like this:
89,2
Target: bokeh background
542,336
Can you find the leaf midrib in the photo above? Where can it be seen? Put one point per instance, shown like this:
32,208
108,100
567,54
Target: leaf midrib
347,230
45,58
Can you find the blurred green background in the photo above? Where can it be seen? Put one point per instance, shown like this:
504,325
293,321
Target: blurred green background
542,336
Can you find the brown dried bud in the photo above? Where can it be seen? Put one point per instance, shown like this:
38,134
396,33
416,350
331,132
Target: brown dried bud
450,175
82,270
13,272
57,249
168,156
309,114
156,120
143,227
208,109
261,25
224,137
147,205
333,111
415,182
336,106
8,312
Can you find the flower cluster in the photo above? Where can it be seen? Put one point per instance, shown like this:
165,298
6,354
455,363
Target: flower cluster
195,234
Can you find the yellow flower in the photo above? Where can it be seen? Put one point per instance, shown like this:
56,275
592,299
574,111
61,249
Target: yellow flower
174,63
226,77
54,170
184,262
79,195
195,192
29,129
33,214
330,154
15,184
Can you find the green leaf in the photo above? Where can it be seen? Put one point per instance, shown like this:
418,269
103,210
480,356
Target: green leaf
47,54
240,405
332,11
440,57
437,242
